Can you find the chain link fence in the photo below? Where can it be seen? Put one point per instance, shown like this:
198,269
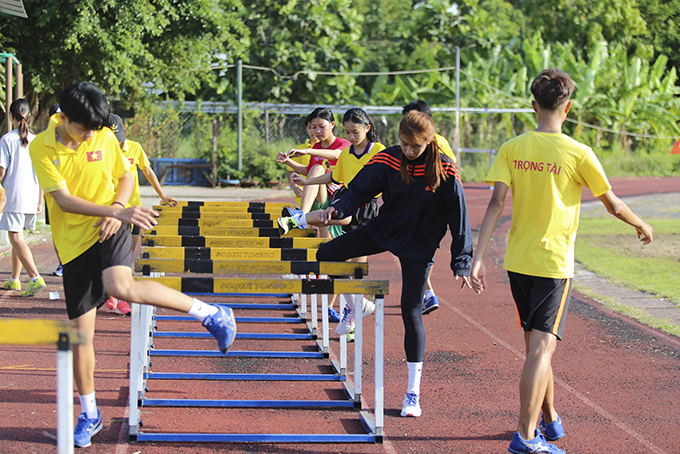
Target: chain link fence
186,131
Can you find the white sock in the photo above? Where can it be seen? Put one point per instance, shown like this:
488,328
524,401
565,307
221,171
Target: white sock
415,372
200,310
11,279
428,293
33,279
88,404
300,219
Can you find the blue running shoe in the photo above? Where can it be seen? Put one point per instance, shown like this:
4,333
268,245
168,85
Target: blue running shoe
518,445
553,430
86,429
288,212
333,315
222,325
430,304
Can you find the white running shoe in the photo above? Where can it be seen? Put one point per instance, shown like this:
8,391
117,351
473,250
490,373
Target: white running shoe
411,406
347,322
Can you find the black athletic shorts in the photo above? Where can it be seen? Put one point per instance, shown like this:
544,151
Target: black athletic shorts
541,302
136,230
83,282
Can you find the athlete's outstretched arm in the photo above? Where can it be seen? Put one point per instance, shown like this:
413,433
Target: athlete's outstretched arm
618,208
493,213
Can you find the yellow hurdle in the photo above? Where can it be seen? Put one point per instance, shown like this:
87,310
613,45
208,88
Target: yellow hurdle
15,331
198,253
232,241
147,266
211,285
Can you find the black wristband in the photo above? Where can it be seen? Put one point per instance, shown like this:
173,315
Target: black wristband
118,203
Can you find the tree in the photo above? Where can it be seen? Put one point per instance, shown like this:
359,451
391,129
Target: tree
297,38
129,49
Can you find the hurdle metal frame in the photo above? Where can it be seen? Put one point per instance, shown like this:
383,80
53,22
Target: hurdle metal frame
143,326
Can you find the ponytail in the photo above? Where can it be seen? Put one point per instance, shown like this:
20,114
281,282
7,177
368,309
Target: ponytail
20,110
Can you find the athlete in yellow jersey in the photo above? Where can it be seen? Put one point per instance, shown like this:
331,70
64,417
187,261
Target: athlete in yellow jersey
546,171
77,161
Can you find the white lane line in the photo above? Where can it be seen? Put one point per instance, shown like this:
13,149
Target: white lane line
620,424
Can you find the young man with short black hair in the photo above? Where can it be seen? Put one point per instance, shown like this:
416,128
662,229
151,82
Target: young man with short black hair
546,170
76,161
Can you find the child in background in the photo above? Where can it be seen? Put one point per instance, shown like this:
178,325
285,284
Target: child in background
302,161
324,154
134,153
422,196
546,171
60,269
361,133
76,161
24,197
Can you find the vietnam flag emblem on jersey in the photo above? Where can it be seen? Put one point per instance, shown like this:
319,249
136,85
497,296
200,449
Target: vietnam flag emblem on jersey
93,156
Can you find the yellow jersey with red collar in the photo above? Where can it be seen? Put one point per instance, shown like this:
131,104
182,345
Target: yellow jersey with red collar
135,154
87,173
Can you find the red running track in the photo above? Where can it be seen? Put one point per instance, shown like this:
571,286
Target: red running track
617,381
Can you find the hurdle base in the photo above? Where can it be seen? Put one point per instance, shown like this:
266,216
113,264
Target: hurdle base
369,425
257,438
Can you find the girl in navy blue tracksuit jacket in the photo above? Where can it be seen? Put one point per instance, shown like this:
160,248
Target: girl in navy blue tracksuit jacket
422,195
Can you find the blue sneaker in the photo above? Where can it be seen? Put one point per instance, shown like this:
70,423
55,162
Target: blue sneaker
86,429
59,271
333,315
518,445
222,325
430,304
553,430
288,212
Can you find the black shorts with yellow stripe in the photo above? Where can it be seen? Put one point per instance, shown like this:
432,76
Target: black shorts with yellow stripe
541,302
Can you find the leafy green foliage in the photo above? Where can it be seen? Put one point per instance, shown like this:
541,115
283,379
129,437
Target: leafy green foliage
129,49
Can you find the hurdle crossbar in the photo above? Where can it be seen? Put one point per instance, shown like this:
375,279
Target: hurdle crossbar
233,241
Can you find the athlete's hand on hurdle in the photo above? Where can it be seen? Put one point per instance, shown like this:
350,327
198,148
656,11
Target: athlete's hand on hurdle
170,201
107,228
137,215
466,282
478,276
326,215
645,233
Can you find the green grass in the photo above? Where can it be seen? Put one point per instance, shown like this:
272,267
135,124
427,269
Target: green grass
633,312
610,249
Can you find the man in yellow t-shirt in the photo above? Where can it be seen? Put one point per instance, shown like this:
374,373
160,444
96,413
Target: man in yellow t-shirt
76,162
546,171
